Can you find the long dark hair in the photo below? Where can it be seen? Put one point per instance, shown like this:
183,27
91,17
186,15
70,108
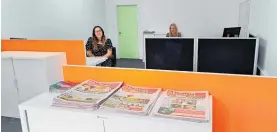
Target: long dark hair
95,40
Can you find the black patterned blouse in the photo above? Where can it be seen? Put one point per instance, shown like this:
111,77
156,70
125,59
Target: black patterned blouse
179,35
101,50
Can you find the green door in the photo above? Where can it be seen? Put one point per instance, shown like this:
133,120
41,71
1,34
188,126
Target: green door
127,20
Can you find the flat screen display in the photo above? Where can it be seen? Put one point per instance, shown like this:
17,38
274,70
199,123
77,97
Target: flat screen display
231,32
234,56
169,53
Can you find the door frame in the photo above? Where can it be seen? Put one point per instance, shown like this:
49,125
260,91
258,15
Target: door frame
138,26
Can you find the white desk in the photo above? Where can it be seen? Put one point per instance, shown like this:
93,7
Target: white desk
93,61
42,117
27,74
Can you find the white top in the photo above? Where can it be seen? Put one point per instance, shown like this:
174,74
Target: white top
28,54
47,99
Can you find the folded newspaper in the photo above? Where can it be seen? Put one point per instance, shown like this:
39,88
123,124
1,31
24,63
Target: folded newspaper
62,86
185,105
87,95
132,99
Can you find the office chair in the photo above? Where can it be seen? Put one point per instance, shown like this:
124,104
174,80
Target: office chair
113,57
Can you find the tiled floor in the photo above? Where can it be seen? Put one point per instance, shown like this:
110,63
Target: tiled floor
130,63
13,125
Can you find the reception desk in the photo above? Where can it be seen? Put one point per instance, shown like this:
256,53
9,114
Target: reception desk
73,49
240,103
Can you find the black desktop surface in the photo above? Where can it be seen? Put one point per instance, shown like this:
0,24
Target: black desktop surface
234,56
169,53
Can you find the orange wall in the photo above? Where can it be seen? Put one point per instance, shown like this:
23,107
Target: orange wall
241,103
74,49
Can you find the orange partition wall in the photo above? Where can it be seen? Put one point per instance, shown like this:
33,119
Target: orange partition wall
74,49
241,103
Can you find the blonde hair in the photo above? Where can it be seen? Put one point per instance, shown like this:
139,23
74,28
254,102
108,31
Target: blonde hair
170,33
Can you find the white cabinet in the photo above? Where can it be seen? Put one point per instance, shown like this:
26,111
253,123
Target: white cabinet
63,121
42,117
152,124
9,96
27,74
127,125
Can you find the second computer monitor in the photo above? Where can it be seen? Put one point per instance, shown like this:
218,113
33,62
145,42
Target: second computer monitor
235,56
169,53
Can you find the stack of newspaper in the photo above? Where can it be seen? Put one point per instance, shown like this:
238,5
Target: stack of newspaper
87,95
185,105
62,86
131,99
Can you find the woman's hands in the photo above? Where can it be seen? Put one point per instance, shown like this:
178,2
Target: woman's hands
89,54
109,53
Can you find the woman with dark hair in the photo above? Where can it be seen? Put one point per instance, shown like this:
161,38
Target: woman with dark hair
99,46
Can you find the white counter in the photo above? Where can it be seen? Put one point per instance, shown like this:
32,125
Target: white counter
37,115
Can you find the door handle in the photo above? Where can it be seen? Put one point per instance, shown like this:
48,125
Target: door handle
101,117
119,33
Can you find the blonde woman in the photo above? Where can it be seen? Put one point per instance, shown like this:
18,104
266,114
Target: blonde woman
173,31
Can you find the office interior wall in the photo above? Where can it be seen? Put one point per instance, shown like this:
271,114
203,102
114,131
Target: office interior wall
271,62
244,16
51,19
195,18
71,19
263,24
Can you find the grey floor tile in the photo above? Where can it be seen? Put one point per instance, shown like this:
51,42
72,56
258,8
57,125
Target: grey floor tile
130,63
10,124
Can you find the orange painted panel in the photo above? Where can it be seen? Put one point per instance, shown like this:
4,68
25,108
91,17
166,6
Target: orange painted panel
74,49
241,103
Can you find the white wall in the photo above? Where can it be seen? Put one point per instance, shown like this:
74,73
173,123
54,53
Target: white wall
244,16
205,18
271,63
51,19
263,24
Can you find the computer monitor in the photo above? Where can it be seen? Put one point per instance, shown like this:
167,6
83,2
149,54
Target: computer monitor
223,55
169,53
251,35
231,32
